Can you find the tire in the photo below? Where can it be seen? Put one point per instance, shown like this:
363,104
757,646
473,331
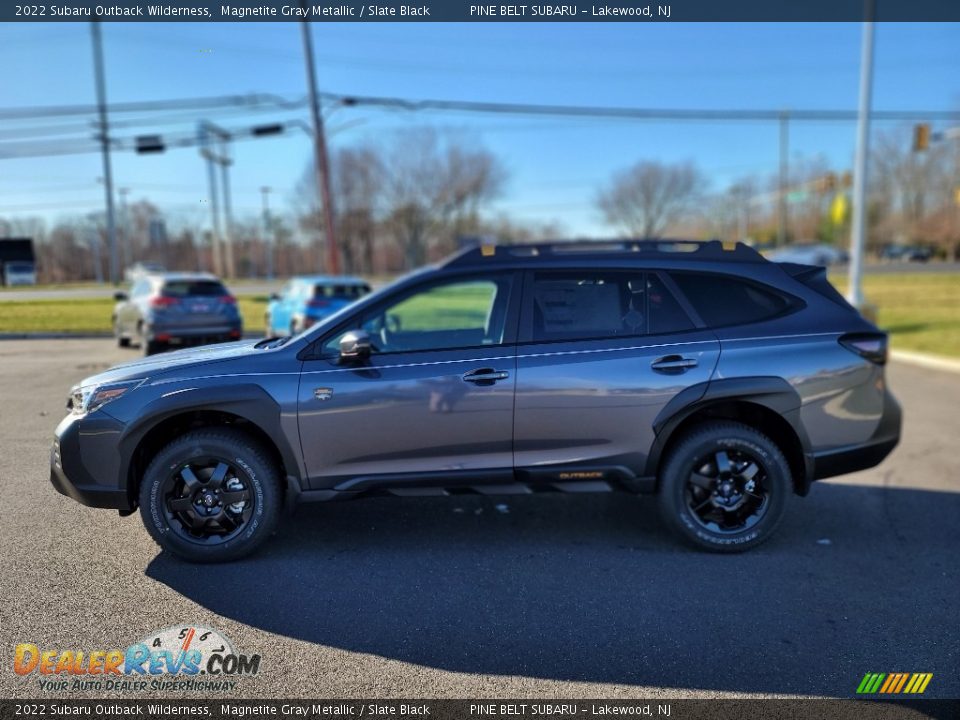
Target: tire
239,532
151,347
122,341
727,505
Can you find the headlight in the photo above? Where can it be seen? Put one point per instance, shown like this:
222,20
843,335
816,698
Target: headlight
87,398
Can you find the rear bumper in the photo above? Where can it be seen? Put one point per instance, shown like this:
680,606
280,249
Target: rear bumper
71,477
852,458
194,333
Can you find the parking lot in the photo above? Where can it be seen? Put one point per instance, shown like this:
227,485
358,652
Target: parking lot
545,596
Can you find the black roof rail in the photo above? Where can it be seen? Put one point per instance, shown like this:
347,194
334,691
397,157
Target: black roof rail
603,249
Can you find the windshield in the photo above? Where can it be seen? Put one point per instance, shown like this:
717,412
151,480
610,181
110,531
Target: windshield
348,291
24,267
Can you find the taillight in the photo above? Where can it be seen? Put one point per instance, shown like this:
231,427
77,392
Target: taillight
871,346
318,303
164,301
228,300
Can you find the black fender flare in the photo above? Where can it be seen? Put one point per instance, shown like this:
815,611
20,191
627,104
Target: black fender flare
248,401
773,393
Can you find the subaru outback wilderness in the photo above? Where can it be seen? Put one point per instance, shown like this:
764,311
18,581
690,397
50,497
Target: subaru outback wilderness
701,372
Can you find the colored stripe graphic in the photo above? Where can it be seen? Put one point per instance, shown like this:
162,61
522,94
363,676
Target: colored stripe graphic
894,683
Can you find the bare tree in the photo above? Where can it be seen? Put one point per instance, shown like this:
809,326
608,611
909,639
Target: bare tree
358,186
646,199
435,187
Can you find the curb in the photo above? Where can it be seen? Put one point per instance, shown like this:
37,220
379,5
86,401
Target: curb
934,362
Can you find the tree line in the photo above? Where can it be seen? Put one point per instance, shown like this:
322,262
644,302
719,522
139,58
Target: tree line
418,194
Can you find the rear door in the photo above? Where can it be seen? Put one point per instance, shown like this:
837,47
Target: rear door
601,353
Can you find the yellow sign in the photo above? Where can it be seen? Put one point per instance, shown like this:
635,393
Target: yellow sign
838,209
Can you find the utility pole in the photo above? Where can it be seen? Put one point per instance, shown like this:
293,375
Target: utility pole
204,141
104,137
320,150
214,145
267,235
225,163
126,253
784,178
858,229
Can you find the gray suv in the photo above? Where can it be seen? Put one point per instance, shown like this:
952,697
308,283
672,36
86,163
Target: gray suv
701,372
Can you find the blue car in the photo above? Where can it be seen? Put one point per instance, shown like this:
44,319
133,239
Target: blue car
307,299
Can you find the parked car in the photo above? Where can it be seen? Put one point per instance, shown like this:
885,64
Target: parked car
822,255
720,381
175,309
906,253
306,300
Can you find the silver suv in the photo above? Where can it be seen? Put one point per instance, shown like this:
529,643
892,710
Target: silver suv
701,372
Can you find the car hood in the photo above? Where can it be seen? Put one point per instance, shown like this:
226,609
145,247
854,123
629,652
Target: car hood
164,362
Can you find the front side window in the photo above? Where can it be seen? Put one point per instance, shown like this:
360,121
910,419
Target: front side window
594,305
447,316
723,300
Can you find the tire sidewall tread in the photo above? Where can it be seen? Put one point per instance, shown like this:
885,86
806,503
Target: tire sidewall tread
677,467
241,449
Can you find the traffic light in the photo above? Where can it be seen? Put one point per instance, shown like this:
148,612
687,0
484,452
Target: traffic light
921,136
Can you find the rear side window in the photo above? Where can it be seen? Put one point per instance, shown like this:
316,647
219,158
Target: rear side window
589,305
721,300
194,288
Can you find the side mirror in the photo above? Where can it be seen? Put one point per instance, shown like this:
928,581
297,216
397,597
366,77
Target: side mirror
355,345
273,297
120,296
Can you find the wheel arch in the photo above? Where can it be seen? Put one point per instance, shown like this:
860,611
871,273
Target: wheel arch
249,409
768,404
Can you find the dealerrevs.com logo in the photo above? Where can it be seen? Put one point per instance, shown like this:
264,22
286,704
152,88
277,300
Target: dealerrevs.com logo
190,658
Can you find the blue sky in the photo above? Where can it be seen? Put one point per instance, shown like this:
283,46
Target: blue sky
555,165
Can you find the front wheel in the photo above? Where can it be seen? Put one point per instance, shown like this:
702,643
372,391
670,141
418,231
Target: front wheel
724,487
211,496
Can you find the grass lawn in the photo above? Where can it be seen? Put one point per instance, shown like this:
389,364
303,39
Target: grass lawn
920,310
85,315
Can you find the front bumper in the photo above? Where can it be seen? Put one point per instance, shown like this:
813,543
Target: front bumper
852,458
85,461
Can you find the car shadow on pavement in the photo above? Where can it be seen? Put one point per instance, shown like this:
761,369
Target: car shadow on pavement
592,588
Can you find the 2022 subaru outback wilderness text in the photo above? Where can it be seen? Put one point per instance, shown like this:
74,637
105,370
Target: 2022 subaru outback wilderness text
698,371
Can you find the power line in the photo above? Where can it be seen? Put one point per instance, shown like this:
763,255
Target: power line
201,103
599,111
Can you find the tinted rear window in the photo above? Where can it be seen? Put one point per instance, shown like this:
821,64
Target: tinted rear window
194,288
599,304
340,291
722,300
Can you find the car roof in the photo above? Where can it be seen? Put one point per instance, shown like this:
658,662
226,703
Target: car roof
180,276
329,279
565,253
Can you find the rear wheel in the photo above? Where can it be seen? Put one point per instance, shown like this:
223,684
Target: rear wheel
211,496
122,340
724,487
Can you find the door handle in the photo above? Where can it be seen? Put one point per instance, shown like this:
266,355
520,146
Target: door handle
485,376
673,363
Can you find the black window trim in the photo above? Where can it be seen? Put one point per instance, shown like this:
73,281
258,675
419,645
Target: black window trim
792,302
526,338
314,351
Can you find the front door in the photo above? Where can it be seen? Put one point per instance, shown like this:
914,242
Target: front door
605,351
435,397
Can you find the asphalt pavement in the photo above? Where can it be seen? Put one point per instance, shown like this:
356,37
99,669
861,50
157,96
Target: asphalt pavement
543,596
